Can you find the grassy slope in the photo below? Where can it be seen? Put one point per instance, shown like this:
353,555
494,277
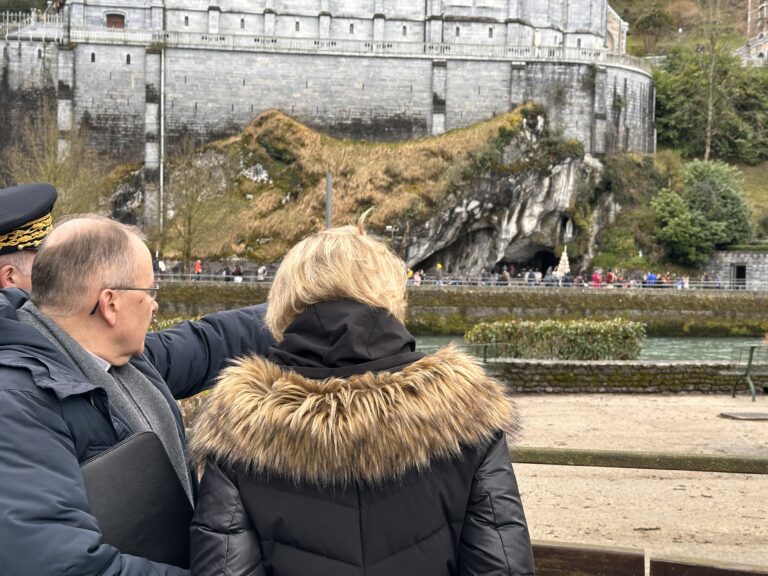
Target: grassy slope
756,191
683,14
401,180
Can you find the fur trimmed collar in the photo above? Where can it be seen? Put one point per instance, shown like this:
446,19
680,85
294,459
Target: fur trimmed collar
369,427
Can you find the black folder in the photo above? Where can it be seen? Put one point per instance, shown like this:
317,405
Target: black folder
139,501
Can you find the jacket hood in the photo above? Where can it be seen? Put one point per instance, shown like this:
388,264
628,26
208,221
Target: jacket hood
343,337
369,427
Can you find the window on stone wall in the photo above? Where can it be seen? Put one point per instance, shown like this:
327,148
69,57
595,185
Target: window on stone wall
242,23
352,28
578,43
128,59
39,53
186,20
115,21
458,31
93,56
490,32
405,30
298,26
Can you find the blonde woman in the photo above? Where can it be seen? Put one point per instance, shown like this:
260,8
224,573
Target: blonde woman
347,452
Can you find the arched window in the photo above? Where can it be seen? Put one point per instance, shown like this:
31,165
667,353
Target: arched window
352,28
115,20
39,53
128,59
298,26
186,20
242,23
578,43
405,30
490,32
458,31
93,56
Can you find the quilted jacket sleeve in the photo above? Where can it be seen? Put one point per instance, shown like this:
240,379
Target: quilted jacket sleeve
223,538
189,357
495,539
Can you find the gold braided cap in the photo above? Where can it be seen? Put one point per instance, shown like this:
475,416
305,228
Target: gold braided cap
29,235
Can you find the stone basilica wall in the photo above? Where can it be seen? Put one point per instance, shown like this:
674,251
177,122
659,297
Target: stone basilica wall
28,76
212,92
372,69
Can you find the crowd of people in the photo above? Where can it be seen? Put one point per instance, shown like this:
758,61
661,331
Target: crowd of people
507,275
329,444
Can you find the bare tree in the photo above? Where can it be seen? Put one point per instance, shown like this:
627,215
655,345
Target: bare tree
202,204
717,79
77,172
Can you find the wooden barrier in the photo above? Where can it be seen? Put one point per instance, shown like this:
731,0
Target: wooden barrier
552,559
663,567
640,460
555,559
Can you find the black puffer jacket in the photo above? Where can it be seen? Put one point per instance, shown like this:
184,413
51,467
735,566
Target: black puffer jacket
355,455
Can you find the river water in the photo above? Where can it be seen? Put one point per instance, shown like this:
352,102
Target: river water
708,349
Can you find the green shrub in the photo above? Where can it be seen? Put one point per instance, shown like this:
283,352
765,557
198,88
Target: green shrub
616,339
160,325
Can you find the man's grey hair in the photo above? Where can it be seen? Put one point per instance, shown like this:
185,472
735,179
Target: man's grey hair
21,260
99,255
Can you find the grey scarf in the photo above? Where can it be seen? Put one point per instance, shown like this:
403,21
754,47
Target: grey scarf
130,393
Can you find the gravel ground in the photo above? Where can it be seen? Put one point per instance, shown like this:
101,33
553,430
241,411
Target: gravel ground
708,516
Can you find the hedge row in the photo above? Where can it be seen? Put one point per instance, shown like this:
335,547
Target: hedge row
616,339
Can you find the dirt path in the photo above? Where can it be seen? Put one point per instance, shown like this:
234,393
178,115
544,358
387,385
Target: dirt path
681,514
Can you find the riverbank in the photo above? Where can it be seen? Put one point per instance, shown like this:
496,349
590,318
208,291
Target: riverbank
690,514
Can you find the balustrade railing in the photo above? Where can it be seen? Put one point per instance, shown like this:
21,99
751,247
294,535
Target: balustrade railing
39,26
242,42
31,26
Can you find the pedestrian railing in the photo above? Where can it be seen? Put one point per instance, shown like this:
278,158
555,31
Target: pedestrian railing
749,363
452,282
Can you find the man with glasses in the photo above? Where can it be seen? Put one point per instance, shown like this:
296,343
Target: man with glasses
78,374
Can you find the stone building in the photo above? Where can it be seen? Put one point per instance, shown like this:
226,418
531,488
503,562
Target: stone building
757,31
739,268
138,72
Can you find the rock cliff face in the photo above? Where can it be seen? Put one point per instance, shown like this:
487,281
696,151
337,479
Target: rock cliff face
503,191
521,217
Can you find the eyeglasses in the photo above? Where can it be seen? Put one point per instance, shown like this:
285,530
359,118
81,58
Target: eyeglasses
151,292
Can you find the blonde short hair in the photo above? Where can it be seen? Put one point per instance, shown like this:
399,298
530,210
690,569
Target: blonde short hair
337,264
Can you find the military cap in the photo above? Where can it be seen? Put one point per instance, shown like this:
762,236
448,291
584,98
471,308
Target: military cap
25,216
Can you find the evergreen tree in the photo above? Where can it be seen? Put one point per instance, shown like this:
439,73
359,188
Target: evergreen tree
711,213
737,99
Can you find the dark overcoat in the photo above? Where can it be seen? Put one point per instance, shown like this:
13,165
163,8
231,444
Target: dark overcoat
52,420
